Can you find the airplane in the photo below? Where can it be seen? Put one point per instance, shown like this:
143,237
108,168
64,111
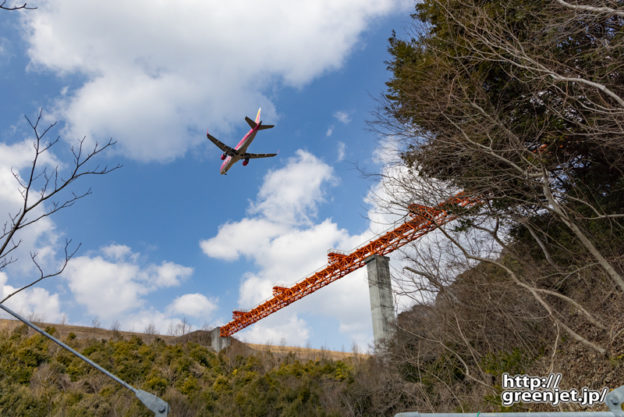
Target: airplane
232,155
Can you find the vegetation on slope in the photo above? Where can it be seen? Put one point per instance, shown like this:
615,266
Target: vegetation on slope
37,378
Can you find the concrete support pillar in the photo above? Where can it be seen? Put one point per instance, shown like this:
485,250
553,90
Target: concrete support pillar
216,341
382,304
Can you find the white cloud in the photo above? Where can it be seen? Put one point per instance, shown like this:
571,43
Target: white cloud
162,323
167,274
275,330
330,131
227,245
167,70
291,195
110,289
18,157
289,258
342,117
193,305
116,252
342,148
33,303
105,288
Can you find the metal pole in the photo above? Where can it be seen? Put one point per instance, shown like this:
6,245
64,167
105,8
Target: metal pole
154,403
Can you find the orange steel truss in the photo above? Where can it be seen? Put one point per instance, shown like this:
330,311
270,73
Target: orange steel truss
422,220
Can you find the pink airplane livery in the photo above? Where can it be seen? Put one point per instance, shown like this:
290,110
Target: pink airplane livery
232,155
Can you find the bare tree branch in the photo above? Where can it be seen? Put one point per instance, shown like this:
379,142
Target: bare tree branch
594,9
43,195
21,7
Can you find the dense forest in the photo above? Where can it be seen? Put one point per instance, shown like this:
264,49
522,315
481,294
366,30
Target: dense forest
520,105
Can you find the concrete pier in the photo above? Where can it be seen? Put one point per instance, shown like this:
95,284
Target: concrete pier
381,300
216,341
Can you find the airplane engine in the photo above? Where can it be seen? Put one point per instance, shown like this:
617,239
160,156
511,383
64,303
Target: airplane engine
245,162
223,157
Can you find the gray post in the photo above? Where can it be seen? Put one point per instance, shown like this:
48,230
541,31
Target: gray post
382,305
216,341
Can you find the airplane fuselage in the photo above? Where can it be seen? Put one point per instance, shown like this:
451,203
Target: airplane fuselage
241,148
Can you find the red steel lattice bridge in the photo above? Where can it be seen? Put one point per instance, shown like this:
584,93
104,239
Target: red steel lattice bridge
421,220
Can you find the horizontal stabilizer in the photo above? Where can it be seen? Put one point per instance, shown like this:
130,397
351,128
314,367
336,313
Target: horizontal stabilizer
262,127
258,155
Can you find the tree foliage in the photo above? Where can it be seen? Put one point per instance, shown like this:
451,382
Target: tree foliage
503,89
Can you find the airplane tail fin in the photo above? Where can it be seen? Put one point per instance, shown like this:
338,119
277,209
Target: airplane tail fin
250,122
253,124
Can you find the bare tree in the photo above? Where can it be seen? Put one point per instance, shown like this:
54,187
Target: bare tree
150,329
44,192
115,326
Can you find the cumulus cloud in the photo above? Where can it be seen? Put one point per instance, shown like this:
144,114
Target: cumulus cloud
116,252
227,244
292,194
291,331
194,305
34,303
152,320
168,71
330,131
167,274
110,288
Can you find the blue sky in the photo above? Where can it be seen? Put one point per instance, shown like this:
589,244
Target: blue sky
166,237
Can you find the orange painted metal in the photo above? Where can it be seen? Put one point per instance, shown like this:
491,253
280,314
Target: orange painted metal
422,220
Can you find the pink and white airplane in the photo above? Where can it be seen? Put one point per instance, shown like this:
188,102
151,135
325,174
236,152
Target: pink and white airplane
232,155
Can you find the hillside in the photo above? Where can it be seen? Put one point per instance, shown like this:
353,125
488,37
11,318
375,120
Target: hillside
37,378
199,336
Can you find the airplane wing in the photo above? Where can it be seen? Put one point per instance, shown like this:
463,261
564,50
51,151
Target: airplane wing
258,155
226,149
